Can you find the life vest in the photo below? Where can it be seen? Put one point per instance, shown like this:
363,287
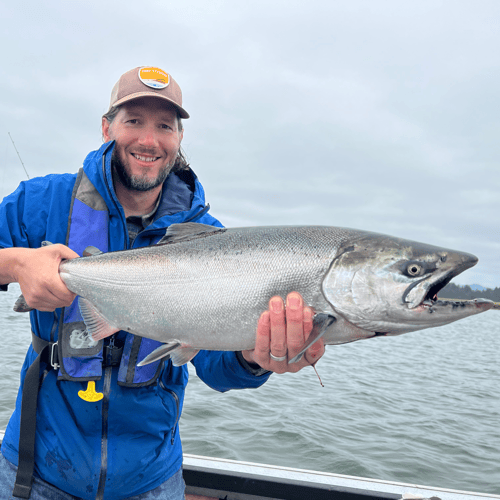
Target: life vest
80,357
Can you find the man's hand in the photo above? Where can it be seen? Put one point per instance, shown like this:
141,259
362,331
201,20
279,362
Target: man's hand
37,272
282,331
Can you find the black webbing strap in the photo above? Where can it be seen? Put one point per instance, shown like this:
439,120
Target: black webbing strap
24,478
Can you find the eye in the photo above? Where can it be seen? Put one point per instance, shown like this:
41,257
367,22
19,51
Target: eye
414,269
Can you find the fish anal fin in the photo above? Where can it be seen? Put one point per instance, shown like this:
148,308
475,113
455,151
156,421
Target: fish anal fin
188,231
160,352
97,325
321,323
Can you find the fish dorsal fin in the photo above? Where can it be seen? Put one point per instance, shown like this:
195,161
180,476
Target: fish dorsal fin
188,231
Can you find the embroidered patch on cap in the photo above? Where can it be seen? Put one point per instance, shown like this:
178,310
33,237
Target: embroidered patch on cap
155,78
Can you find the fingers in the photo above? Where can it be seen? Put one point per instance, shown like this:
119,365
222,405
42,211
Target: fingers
281,333
38,276
278,338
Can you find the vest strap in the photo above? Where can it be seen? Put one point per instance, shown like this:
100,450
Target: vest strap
47,353
39,344
26,465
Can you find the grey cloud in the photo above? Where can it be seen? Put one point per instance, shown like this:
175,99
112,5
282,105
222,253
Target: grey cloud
377,115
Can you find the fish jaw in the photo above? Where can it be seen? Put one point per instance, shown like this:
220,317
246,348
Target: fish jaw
442,312
450,264
389,286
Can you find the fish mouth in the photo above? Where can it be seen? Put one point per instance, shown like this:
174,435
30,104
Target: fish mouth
425,294
431,296
425,307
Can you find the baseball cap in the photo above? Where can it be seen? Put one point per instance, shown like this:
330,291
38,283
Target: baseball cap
147,81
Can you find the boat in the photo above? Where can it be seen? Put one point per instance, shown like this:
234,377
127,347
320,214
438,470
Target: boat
236,480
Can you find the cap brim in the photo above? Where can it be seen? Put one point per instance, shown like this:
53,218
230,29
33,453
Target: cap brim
182,112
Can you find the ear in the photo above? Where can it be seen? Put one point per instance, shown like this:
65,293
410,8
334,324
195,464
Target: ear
105,129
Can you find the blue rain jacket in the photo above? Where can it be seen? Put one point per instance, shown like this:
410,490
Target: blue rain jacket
128,442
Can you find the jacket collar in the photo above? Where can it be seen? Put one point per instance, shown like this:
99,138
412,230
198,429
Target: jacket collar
182,195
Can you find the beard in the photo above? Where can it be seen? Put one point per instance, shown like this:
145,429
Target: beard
138,182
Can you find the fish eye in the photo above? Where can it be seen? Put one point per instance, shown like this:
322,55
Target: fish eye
414,269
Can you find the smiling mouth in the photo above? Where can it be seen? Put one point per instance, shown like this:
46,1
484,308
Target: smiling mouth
148,159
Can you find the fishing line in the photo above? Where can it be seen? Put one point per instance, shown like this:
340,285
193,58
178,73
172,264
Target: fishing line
18,155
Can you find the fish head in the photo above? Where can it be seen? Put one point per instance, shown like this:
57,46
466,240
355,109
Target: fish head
390,286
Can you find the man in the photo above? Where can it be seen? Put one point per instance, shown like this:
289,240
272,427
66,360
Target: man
102,427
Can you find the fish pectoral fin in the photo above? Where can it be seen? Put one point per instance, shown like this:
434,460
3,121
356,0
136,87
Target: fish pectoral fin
97,325
321,323
160,352
21,306
90,251
188,231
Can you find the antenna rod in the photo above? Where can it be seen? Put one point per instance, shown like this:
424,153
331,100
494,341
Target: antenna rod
18,155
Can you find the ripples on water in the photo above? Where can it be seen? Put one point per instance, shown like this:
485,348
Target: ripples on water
422,408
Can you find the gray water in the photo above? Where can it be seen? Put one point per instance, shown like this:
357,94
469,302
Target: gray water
422,408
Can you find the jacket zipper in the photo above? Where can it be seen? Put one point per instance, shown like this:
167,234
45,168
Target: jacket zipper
104,437
123,221
177,405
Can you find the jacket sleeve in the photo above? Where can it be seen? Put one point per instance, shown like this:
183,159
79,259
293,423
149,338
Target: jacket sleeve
25,213
222,371
12,229
35,211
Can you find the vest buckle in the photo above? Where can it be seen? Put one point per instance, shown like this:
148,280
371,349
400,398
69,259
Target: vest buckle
54,356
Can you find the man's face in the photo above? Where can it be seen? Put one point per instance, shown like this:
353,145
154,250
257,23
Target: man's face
147,140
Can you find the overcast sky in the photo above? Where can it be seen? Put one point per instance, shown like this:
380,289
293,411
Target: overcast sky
378,115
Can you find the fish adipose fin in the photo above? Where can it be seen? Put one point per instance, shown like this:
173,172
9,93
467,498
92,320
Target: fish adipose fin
321,322
188,231
90,251
179,355
97,325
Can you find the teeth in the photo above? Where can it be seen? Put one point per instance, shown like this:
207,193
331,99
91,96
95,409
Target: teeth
145,158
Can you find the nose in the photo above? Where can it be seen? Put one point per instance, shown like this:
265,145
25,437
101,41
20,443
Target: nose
148,137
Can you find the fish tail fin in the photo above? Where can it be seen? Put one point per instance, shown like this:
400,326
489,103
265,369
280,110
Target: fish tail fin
97,325
21,306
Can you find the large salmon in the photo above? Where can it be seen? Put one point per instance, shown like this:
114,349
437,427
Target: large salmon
203,287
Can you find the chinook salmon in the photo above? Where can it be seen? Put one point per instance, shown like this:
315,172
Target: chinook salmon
203,287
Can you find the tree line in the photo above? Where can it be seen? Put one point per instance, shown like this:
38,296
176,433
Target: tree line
452,291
